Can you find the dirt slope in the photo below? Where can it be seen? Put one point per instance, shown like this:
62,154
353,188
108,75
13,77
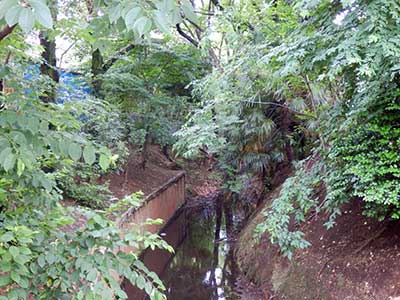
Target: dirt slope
359,259
134,178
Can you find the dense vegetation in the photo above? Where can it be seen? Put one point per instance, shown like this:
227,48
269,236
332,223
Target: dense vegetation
257,86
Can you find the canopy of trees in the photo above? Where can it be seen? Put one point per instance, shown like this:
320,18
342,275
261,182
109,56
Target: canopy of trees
257,85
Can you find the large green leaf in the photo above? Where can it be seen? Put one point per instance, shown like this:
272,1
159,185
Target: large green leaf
5,280
6,158
188,11
132,16
89,154
104,161
26,19
42,13
75,151
161,21
143,25
5,5
115,13
14,251
12,15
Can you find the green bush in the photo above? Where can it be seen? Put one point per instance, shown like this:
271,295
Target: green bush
369,154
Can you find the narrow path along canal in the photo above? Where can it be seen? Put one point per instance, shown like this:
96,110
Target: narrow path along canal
203,266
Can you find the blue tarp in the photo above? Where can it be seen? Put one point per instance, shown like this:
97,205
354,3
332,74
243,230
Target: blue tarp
73,86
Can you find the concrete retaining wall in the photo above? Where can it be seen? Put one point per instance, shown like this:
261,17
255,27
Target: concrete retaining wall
161,204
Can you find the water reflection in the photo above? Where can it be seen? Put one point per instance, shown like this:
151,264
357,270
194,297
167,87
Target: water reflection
203,267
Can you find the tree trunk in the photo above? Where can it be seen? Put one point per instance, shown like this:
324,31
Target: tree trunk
166,154
49,64
97,71
145,150
97,57
286,122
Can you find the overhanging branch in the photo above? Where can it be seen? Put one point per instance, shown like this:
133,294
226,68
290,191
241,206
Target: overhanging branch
117,56
5,31
186,36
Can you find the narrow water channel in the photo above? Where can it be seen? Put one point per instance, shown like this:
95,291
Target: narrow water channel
202,267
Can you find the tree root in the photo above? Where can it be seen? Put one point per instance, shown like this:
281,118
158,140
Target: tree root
371,239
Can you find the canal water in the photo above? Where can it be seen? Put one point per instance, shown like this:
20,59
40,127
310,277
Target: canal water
202,267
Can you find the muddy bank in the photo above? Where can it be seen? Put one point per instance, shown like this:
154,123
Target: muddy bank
358,259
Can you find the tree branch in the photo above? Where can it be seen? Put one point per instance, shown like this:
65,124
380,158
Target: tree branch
186,36
117,56
5,31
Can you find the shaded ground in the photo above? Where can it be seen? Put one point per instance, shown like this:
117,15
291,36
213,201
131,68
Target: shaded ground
358,259
133,178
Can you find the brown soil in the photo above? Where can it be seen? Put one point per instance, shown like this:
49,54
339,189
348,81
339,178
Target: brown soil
358,259
133,178
201,180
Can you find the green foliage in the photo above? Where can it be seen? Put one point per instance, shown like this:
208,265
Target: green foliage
248,109
296,199
80,262
287,77
351,50
105,125
49,251
25,14
369,157
150,88
139,17
81,184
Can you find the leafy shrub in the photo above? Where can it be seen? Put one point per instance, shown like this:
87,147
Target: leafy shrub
296,199
368,154
81,185
39,257
106,125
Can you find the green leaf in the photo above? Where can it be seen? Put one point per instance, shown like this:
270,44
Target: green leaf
7,159
148,287
115,13
15,276
14,251
92,275
5,266
23,282
51,258
63,146
176,16
4,143
9,162
42,13
104,162
20,167
21,259
12,15
41,261
5,280
89,154
143,25
188,11
75,151
5,5
157,295
132,16
5,238
26,19
161,22
140,282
